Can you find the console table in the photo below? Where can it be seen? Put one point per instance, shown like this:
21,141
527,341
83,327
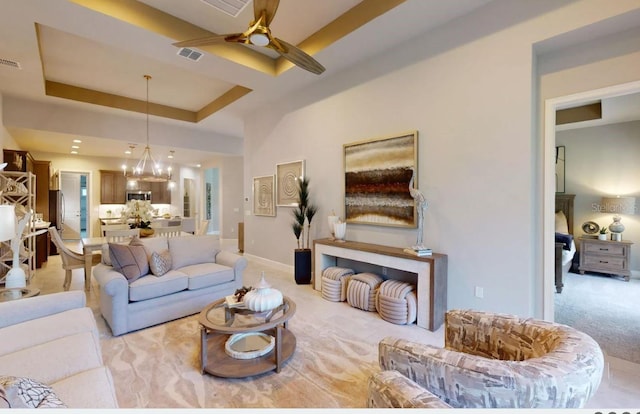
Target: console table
431,271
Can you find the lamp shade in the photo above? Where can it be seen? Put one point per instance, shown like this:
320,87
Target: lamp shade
7,222
618,205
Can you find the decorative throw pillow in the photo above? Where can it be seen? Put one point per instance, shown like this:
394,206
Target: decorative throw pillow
129,260
16,392
160,263
106,259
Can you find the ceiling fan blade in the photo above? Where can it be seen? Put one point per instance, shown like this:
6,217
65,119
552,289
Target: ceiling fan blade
269,7
211,40
296,56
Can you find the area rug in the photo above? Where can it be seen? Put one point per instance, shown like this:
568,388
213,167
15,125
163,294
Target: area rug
159,367
605,308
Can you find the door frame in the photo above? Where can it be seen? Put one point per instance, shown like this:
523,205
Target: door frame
89,175
549,194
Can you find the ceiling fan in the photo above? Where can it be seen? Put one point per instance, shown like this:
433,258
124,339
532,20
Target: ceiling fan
259,34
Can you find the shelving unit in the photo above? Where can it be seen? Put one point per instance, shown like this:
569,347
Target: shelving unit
19,188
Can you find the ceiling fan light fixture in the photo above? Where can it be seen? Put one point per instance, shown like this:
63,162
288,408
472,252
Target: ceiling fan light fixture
259,39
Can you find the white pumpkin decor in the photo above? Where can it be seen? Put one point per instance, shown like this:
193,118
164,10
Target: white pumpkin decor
262,297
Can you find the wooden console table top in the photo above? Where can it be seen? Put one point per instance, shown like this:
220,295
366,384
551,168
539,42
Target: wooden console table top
380,249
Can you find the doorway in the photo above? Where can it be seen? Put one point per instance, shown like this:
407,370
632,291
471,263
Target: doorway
212,199
75,189
551,106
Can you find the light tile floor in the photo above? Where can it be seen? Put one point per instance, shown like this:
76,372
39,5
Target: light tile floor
620,386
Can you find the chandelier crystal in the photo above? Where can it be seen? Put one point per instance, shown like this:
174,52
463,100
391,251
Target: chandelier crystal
147,169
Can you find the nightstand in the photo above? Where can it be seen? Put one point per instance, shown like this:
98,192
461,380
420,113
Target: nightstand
605,256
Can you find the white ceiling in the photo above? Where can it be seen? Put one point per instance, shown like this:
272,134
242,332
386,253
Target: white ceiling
85,48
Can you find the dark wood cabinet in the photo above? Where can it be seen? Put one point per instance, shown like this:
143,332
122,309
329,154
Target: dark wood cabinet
43,241
42,170
17,160
160,193
112,187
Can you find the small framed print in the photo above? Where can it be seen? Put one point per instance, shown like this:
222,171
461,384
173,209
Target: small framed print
288,174
264,196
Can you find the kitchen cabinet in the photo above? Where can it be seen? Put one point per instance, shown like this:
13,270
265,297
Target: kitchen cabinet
160,193
42,170
112,187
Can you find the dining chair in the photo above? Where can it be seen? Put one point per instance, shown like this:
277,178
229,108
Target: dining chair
70,259
170,231
116,236
106,227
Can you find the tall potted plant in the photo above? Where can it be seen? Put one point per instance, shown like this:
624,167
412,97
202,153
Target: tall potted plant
303,215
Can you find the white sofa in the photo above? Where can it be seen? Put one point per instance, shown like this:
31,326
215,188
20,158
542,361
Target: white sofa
53,339
200,273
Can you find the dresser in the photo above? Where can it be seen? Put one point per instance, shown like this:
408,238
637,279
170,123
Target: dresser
605,256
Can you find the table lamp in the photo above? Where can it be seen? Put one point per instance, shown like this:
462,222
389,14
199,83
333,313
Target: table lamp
618,205
7,222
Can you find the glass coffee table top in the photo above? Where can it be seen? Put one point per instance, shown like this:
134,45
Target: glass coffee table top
8,294
221,318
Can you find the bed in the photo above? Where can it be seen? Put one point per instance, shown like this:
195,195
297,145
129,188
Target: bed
565,247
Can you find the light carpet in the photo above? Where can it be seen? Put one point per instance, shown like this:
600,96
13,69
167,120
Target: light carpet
159,367
604,307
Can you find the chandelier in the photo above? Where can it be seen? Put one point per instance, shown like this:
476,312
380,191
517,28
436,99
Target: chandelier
147,168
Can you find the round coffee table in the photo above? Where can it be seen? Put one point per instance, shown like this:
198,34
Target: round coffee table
218,322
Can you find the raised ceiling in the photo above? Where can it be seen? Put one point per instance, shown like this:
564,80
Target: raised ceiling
91,55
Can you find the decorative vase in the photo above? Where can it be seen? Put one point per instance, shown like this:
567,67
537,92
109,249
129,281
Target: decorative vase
262,298
616,226
146,232
302,266
340,230
332,220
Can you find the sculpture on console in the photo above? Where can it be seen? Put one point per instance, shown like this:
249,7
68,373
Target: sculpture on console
421,207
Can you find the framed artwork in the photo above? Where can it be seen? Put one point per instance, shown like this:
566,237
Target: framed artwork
378,173
288,174
560,159
264,196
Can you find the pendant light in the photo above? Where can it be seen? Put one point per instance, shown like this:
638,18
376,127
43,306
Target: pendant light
147,168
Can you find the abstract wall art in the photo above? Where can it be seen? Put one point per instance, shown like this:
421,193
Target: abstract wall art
288,174
377,176
264,196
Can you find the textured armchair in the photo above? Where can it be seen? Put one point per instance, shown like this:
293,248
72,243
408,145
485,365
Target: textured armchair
489,361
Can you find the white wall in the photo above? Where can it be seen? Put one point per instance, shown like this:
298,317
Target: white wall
603,161
470,91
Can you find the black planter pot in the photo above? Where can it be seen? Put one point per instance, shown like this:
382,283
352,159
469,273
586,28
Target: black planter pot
302,266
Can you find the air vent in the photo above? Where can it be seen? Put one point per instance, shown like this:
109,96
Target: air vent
10,63
230,7
190,54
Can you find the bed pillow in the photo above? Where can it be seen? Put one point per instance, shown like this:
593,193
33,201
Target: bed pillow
561,223
129,260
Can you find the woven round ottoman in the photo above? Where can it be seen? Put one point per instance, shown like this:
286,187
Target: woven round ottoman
334,283
362,289
396,302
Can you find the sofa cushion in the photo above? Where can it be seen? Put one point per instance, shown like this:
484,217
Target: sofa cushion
153,287
160,263
129,260
154,244
207,274
51,361
27,393
92,388
190,250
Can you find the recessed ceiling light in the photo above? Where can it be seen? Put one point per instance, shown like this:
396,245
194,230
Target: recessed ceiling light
127,152
75,146
74,152
77,141
198,165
